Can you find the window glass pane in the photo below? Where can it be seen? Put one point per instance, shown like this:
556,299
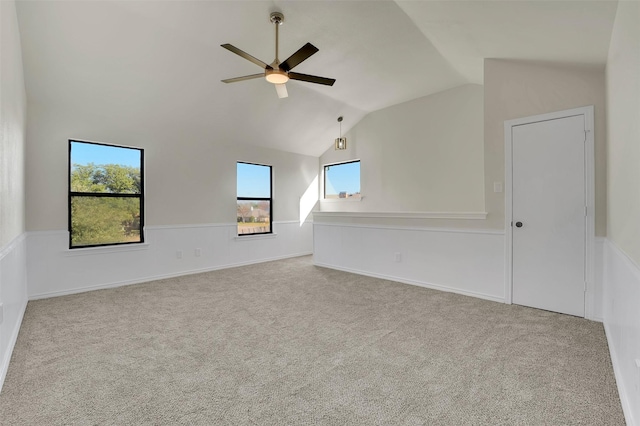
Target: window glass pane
254,181
101,168
342,180
104,220
254,216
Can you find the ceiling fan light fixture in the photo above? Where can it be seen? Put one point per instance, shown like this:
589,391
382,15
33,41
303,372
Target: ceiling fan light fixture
276,76
278,73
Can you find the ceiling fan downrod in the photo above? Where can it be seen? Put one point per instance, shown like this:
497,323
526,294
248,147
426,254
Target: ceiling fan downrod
277,18
276,75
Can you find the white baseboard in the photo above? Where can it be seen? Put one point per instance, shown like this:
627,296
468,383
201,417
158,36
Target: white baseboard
416,283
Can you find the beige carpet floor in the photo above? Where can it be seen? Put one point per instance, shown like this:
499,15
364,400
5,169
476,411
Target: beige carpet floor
289,343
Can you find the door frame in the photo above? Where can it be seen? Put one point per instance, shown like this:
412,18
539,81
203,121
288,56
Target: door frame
588,113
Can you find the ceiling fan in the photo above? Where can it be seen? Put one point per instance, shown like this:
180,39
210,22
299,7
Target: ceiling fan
278,72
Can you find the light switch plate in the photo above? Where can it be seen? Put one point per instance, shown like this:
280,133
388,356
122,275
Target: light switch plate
497,186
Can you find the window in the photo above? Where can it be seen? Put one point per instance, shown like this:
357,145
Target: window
342,180
254,199
106,194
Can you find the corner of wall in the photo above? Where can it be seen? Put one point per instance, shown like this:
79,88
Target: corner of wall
13,289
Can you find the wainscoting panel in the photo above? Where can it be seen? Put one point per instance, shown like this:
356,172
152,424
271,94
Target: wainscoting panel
621,289
55,270
13,296
469,262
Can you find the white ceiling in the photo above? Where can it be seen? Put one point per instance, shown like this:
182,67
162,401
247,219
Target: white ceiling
161,61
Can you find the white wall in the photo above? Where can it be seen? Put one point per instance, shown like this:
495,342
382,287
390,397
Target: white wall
622,253
465,261
425,155
190,202
55,270
13,274
621,280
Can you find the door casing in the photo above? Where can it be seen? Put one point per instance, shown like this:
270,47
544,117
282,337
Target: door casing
588,113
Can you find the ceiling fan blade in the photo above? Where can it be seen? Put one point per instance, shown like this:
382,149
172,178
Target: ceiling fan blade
301,55
282,90
245,55
312,78
246,77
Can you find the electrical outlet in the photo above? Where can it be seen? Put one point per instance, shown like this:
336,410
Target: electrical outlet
198,252
179,254
398,257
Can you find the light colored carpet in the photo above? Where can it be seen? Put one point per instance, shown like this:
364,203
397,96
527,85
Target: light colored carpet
289,343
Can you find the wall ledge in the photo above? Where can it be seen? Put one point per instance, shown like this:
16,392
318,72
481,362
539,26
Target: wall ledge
405,215
411,228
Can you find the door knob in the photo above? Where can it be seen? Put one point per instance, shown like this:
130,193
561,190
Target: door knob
519,224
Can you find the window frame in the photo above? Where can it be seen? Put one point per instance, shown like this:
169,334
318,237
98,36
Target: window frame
270,199
324,180
72,194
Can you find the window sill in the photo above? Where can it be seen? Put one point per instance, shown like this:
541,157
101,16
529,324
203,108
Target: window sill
255,237
86,251
341,200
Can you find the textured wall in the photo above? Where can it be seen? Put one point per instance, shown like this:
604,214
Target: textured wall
623,100
425,155
12,127
515,89
190,177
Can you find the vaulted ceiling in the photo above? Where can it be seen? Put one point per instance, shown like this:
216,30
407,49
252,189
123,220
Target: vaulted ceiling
161,61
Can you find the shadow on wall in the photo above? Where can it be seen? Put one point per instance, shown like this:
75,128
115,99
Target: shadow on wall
308,200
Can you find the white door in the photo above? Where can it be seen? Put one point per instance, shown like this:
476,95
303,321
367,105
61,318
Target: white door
549,214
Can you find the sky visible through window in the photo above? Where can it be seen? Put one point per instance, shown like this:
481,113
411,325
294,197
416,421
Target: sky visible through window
254,181
85,153
342,178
